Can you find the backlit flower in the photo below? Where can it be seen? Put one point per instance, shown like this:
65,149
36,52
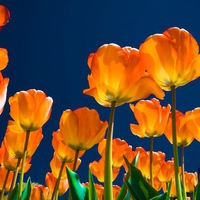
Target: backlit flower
3,57
171,58
4,16
184,135
82,128
120,149
117,75
30,109
97,169
3,173
39,192
151,117
191,180
3,91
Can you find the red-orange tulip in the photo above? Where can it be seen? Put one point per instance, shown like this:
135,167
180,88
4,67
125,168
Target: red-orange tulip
191,180
3,91
171,58
30,109
151,116
97,169
4,16
120,149
63,152
50,181
82,128
15,140
3,58
184,135
117,75
39,192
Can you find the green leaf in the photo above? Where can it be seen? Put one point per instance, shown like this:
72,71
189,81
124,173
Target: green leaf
138,186
14,193
27,190
78,191
197,191
161,197
92,189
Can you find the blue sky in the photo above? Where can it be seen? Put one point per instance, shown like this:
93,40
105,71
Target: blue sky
49,42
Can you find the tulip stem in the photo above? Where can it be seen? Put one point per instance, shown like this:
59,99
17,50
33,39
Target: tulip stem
175,146
54,196
183,170
23,164
108,194
151,160
4,184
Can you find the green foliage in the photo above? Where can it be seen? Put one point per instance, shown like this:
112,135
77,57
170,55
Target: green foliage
78,191
92,190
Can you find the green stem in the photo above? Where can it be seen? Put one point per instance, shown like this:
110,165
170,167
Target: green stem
175,147
23,164
4,184
54,196
151,160
73,169
108,194
183,170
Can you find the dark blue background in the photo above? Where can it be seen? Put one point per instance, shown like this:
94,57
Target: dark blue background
49,42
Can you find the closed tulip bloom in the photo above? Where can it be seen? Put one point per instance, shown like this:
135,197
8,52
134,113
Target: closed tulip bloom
117,75
30,109
50,181
120,149
82,128
3,57
184,135
152,118
99,189
39,192
3,91
4,16
191,180
15,140
63,152
97,169
171,58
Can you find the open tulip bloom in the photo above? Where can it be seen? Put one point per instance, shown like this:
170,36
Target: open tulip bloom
118,75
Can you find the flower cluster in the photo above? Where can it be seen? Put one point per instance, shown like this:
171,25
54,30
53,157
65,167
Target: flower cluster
118,76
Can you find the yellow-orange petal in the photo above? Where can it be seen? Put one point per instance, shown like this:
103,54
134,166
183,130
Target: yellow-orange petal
3,58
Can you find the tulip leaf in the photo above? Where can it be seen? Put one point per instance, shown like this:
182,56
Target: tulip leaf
92,190
78,191
27,190
137,186
197,191
161,197
14,193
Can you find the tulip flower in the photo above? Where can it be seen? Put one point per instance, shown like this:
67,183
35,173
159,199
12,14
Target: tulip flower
151,116
82,128
30,109
117,75
120,149
97,169
3,91
3,57
4,16
191,180
99,189
39,192
62,151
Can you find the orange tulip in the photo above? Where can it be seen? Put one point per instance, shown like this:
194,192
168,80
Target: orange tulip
3,91
120,149
191,180
193,123
4,16
82,128
117,75
30,109
143,162
3,57
55,165
3,173
63,152
39,192
50,181
171,58
166,172
15,139
97,169
151,116
184,135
